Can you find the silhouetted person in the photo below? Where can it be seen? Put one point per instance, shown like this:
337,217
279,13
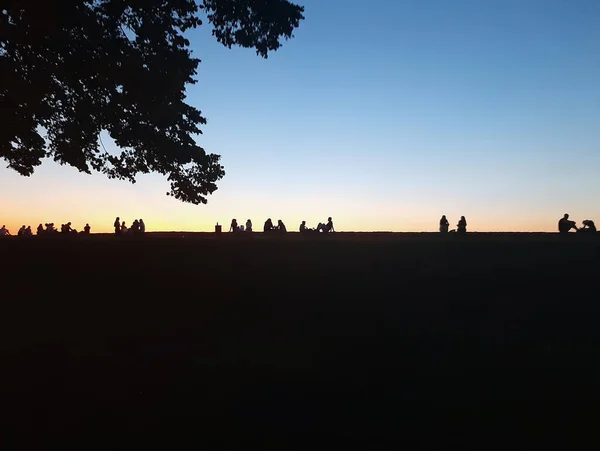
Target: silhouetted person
234,226
248,226
565,225
40,229
87,229
326,228
588,226
117,226
135,227
281,227
444,224
268,227
142,226
28,231
21,231
124,228
461,227
303,228
4,231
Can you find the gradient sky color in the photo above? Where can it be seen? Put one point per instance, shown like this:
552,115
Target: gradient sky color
384,115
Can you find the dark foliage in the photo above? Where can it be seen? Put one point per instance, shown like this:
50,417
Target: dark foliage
70,69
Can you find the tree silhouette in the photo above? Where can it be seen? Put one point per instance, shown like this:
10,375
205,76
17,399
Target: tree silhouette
70,69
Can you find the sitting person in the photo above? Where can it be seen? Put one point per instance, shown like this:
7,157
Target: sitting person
268,227
142,226
124,228
444,224
461,227
304,229
588,226
28,231
565,225
86,229
281,227
135,227
21,231
4,231
326,228
248,226
40,229
234,226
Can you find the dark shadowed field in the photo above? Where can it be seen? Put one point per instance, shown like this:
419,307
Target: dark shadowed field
376,340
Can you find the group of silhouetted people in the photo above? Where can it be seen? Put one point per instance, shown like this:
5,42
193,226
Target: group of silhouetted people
565,225
46,229
461,227
49,229
138,227
280,227
322,227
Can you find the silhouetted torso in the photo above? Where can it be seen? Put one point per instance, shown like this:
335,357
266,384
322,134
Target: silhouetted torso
588,226
444,224
462,225
268,226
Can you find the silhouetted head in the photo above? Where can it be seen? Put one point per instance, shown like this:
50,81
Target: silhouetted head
329,218
303,222
566,216
279,221
462,217
118,219
87,225
443,216
68,223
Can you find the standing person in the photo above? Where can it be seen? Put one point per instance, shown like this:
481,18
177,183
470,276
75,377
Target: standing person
248,226
86,229
117,226
234,226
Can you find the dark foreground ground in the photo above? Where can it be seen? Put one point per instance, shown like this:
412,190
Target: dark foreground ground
489,341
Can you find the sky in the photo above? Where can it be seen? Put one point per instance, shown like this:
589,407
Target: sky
384,115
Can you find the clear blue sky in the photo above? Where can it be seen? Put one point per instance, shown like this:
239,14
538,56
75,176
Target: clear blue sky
384,115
